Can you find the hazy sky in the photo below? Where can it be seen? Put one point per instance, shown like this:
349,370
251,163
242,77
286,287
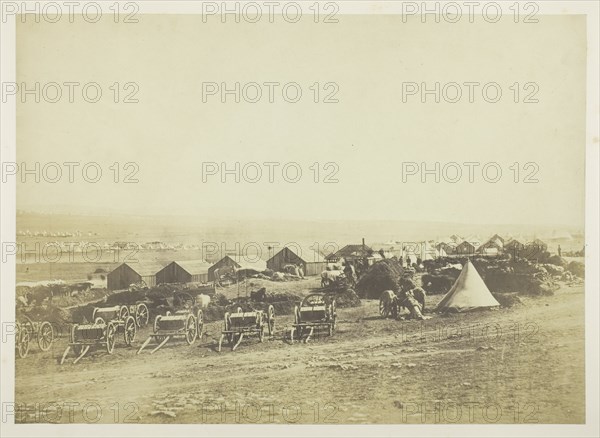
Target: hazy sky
369,133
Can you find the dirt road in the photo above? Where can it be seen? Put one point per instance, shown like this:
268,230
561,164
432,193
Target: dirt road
519,365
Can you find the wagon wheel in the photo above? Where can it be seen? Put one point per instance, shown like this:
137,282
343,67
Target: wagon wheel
124,313
142,315
383,308
45,336
200,322
271,319
111,337
226,327
22,343
129,330
77,348
191,329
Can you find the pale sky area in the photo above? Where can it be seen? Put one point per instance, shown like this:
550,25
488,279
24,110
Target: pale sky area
369,133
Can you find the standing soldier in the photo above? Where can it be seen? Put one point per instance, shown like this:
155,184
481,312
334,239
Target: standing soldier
217,281
349,272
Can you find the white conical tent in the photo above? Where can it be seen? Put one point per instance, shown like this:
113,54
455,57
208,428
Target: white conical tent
469,292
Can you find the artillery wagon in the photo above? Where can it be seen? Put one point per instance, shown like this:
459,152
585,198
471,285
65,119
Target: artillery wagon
239,324
43,332
108,323
187,323
138,311
316,312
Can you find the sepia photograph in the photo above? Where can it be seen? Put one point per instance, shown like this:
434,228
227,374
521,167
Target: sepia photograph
306,217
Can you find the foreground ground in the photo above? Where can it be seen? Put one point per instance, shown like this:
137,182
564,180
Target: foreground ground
519,365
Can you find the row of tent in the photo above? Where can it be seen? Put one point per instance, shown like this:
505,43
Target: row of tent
152,272
455,245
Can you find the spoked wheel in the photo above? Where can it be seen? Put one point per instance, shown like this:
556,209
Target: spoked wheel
111,337
124,313
129,330
226,326
271,319
384,311
45,336
200,322
191,329
142,315
22,343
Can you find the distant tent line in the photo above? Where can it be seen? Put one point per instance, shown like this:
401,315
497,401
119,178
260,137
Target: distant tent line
312,261
201,271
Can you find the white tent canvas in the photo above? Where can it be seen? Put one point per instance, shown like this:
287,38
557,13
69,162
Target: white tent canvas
469,292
